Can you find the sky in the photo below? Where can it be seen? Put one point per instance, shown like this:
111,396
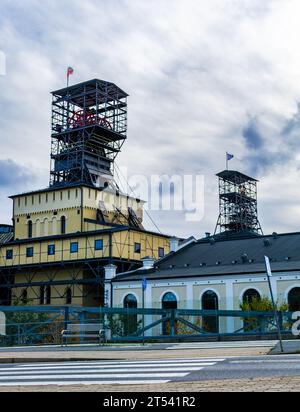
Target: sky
203,78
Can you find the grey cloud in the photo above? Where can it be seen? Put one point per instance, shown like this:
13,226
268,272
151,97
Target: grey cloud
14,176
254,139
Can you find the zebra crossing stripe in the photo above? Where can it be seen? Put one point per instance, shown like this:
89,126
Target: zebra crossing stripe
68,383
101,373
103,363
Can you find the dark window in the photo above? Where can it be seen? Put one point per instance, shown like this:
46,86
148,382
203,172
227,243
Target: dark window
130,302
99,244
137,248
131,324
210,302
68,296
42,295
51,249
9,254
161,252
30,229
294,300
29,252
63,225
48,295
74,247
169,301
24,296
250,296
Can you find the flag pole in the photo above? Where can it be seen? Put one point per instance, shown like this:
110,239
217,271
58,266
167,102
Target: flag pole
226,161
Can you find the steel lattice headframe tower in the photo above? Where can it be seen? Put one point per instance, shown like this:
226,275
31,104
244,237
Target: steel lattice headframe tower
237,203
89,127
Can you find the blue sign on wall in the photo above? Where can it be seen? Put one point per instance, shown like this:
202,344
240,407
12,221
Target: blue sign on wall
144,284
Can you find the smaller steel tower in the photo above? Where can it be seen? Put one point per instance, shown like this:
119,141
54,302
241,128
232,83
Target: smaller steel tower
237,203
89,127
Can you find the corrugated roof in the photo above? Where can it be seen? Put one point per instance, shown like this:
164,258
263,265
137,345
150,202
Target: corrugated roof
6,237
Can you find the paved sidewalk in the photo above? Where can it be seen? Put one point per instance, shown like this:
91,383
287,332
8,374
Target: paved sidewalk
278,384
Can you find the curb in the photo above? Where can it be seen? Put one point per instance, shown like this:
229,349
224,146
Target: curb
54,360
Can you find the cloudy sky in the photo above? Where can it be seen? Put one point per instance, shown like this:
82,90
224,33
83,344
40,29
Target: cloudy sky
203,77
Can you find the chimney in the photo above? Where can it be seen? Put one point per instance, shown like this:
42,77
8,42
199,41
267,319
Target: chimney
110,272
174,244
148,262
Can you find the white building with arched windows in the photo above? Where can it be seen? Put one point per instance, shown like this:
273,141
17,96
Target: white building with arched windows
216,273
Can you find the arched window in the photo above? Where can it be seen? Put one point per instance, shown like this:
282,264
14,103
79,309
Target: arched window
46,227
68,296
251,295
210,302
294,299
130,302
54,226
63,225
30,229
169,301
130,323
37,228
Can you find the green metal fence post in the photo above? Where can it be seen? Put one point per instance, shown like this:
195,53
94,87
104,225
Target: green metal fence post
173,322
67,313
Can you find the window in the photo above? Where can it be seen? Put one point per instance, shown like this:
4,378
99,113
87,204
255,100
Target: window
30,229
29,252
25,201
169,301
51,250
40,199
24,296
74,247
99,244
210,302
46,197
131,325
161,252
63,225
68,296
48,295
32,200
42,295
9,254
130,302
294,299
251,296
137,248
19,202
53,196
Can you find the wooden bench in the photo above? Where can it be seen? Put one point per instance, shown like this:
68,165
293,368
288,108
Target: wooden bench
83,331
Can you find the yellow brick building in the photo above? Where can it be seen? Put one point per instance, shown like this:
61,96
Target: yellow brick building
63,236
